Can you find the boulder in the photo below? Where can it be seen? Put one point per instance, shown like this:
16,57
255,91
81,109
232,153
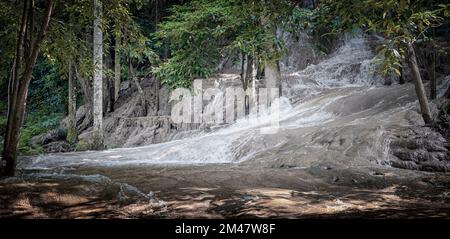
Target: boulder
57,147
420,148
58,134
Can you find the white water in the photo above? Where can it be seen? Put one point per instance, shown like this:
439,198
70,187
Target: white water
335,110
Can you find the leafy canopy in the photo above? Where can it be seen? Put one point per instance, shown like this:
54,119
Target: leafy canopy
401,22
201,33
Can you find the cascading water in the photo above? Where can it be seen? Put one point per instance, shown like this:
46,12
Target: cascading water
331,111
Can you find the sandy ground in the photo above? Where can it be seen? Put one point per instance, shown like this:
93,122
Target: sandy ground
228,191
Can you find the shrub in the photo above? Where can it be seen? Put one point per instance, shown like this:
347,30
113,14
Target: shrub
83,145
37,123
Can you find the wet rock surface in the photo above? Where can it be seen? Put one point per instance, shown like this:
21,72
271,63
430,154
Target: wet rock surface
443,116
57,147
420,148
53,141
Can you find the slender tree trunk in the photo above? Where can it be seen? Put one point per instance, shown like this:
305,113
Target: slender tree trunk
19,86
420,89
156,13
433,83
117,67
72,135
88,101
432,75
98,77
109,91
401,79
107,82
157,94
31,21
249,79
259,69
246,78
222,64
12,142
246,71
272,76
249,74
141,95
9,151
243,70
140,90
111,94
157,82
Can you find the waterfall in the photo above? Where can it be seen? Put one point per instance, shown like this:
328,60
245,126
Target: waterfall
329,111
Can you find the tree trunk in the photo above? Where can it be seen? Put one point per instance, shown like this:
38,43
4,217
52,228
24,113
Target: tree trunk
272,76
11,143
140,90
111,94
401,79
86,86
432,75
157,94
72,135
88,101
141,95
19,85
243,71
156,13
246,78
259,69
222,64
117,67
420,89
98,77
9,151
108,82
432,71
433,84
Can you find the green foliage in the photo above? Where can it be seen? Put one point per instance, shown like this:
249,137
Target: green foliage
194,33
83,145
311,21
137,51
402,23
315,23
200,33
47,90
47,107
8,33
67,42
3,106
37,123
179,70
3,120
